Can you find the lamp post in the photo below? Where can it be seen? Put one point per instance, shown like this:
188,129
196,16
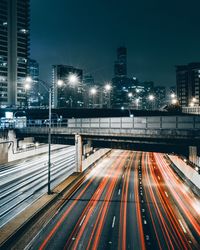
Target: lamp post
27,86
108,90
93,92
137,100
49,143
71,80
103,94
174,101
172,95
152,100
18,112
15,118
193,102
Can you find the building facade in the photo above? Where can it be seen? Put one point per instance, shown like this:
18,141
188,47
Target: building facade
188,84
88,84
120,82
14,51
120,67
160,97
69,94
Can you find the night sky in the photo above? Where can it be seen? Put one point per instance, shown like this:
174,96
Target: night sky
85,33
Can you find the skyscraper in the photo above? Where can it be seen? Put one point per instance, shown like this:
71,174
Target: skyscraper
188,84
34,92
68,95
14,50
120,67
121,83
88,83
160,96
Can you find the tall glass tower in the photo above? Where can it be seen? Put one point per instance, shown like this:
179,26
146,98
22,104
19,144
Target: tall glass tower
14,51
120,67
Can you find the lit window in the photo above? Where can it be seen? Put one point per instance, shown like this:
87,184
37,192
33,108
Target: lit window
2,79
23,31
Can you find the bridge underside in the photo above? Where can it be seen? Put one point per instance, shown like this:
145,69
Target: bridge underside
177,146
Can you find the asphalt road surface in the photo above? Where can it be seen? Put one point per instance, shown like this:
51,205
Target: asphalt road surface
22,182
130,200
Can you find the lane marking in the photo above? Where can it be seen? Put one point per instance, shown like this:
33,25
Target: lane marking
182,226
158,177
166,194
113,222
119,192
82,220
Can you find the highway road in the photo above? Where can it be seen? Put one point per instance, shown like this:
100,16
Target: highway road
130,200
22,182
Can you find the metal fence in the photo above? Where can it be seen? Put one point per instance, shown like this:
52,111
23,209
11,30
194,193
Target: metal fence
156,122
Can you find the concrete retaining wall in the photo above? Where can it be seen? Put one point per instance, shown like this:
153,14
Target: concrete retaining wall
3,153
32,152
187,173
94,157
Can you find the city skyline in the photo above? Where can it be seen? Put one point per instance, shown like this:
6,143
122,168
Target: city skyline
87,37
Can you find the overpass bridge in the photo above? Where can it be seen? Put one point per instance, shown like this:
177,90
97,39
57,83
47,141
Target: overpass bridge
178,134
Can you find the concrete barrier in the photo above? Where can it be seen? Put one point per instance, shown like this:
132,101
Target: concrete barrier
187,173
95,157
31,152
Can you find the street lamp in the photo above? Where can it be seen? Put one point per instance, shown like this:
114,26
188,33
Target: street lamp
173,95
194,99
192,104
93,92
130,94
108,88
19,111
15,118
72,79
151,99
137,100
174,101
28,80
27,87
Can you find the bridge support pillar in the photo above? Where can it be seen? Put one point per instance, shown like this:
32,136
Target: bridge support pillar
79,151
194,155
87,148
8,145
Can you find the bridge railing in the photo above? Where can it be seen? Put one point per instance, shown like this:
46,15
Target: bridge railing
146,122
158,122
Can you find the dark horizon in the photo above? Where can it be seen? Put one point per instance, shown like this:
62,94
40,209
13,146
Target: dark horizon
86,35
